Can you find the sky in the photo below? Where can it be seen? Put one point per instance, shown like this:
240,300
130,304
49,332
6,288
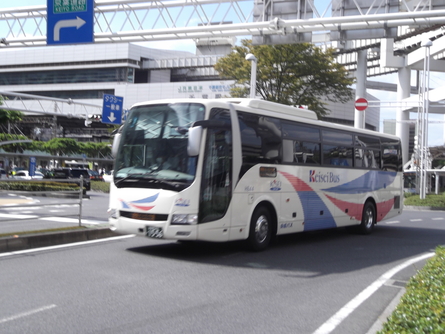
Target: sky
436,127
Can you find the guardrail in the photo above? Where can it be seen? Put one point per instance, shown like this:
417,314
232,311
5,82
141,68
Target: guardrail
75,194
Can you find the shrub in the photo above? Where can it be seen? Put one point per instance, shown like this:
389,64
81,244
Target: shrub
38,186
100,186
432,200
422,307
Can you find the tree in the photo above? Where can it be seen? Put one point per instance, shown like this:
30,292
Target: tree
15,147
96,149
291,74
62,146
9,116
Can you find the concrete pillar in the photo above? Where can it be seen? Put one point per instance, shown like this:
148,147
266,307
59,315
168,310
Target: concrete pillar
402,126
360,90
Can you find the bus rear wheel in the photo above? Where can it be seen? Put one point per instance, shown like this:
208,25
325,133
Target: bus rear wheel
368,218
260,232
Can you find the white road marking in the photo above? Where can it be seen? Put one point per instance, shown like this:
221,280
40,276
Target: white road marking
415,220
41,249
346,310
439,218
74,220
393,222
7,215
25,314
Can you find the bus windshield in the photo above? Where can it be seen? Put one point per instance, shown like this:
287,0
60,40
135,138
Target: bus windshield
153,148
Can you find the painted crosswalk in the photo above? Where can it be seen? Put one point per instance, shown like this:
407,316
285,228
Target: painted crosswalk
66,220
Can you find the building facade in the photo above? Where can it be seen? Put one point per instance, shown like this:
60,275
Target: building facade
86,72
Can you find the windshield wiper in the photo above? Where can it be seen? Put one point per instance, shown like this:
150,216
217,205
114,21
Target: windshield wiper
128,176
161,181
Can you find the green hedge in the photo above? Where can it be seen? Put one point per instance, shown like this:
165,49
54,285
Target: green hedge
422,307
100,186
432,200
51,186
38,186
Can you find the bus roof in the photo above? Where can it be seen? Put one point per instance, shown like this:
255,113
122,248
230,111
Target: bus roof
250,103
273,107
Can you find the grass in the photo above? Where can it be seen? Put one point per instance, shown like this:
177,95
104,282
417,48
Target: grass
422,308
100,186
432,200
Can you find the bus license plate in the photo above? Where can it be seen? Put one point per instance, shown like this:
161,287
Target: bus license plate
154,232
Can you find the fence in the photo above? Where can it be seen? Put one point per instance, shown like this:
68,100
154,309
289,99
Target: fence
76,195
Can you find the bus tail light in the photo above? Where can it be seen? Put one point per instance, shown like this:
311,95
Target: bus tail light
182,219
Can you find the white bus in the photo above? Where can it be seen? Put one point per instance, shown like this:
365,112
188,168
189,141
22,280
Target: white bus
234,169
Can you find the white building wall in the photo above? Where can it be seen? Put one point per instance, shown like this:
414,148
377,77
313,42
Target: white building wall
160,76
346,112
72,57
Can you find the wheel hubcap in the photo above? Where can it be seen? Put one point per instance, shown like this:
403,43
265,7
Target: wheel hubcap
261,229
369,218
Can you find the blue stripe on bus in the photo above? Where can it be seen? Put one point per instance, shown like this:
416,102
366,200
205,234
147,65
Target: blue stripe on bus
371,181
146,200
313,206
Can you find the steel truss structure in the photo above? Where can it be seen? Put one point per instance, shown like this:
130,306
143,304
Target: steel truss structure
142,20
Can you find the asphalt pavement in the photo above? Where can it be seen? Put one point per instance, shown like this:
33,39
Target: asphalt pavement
22,212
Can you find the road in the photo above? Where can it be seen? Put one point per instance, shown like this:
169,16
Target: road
18,213
137,285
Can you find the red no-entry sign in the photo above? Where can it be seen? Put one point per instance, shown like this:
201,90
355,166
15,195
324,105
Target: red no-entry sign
361,104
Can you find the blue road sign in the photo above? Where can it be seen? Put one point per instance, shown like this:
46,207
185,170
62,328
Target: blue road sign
69,22
32,166
112,109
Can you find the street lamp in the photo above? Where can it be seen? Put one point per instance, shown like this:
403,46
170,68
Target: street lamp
250,57
422,122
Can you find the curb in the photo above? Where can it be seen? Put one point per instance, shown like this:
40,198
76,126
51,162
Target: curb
12,244
383,318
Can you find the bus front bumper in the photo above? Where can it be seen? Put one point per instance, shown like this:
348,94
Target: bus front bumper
154,230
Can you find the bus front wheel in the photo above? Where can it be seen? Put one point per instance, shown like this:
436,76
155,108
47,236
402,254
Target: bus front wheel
260,232
368,218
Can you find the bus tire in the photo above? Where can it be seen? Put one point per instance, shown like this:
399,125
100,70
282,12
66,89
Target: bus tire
368,218
260,232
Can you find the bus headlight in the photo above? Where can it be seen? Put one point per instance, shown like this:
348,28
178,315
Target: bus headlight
180,219
112,213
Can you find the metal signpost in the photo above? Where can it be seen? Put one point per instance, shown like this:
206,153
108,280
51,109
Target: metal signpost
112,109
70,22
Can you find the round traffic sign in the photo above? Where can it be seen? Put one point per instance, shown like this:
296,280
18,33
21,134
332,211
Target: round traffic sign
361,104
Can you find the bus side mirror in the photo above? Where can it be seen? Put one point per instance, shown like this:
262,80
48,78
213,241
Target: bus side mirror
194,141
116,142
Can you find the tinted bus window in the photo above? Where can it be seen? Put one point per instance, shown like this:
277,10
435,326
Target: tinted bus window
367,152
300,131
345,139
261,140
336,155
391,155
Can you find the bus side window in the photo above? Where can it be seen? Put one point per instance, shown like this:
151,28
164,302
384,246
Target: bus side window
272,152
337,155
307,153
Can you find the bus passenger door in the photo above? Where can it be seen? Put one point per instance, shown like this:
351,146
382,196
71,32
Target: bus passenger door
216,182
